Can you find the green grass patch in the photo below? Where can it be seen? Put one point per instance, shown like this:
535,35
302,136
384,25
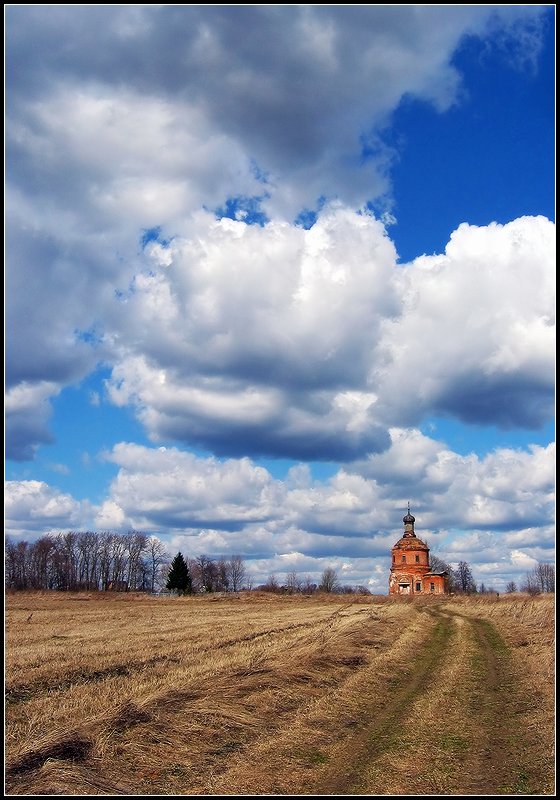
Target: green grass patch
493,638
311,757
453,743
520,785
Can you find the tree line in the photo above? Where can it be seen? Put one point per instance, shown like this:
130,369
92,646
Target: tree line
294,583
104,561
204,574
182,578
461,581
135,561
541,578
85,560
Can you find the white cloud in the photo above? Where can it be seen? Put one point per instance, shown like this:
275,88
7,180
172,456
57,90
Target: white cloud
27,412
246,338
155,112
34,507
475,339
203,505
279,341
178,490
175,490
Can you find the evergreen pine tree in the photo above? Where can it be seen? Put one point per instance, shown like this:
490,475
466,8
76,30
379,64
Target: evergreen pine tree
179,578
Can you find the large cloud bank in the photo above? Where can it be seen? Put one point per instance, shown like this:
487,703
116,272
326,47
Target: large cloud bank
484,510
310,344
124,119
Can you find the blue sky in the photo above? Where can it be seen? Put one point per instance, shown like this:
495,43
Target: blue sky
274,271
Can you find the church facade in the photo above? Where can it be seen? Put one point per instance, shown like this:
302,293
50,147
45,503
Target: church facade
410,565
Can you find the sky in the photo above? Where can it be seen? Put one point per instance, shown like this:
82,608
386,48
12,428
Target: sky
273,272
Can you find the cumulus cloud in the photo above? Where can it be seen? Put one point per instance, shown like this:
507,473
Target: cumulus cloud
259,340
293,88
34,507
475,340
123,119
205,505
507,489
27,412
173,489
234,505
313,344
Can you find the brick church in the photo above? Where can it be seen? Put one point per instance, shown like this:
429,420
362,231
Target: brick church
410,567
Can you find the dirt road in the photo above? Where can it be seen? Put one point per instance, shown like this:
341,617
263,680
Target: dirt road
451,724
277,697
440,711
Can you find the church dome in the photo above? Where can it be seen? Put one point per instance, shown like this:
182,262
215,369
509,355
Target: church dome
410,543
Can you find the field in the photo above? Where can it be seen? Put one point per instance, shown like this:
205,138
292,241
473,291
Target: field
266,694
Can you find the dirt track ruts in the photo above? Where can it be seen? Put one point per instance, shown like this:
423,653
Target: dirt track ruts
451,727
396,699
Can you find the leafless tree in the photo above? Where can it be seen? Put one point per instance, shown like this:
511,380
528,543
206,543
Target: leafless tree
464,579
76,560
88,559
136,546
271,584
40,563
237,572
293,582
16,564
438,564
329,581
308,586
204,573
540,579
157,556
511,587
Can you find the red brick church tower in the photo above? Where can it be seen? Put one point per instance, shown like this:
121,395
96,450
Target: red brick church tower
410,565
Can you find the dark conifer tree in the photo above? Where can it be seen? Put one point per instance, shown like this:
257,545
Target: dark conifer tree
179,578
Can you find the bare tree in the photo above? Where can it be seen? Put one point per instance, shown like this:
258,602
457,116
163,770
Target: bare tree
136,546
105,556
540,579
88,557
308,586
329,581
16,564
40,563
118,560
78,560
293,582
438,564
511,587
237,572
157,556
69,557
204,573
464,579
546,577
222,581
271,584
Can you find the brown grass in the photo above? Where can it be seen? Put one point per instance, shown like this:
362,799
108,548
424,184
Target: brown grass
527,625
252,694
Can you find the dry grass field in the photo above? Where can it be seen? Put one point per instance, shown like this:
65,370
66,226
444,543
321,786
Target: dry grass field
116,694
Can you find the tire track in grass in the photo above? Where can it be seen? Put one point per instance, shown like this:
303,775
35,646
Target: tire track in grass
460,734
347,772
500,762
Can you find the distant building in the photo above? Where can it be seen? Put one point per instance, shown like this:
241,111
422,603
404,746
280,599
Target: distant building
410,567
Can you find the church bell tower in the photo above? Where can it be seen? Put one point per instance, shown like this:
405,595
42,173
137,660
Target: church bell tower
410,565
